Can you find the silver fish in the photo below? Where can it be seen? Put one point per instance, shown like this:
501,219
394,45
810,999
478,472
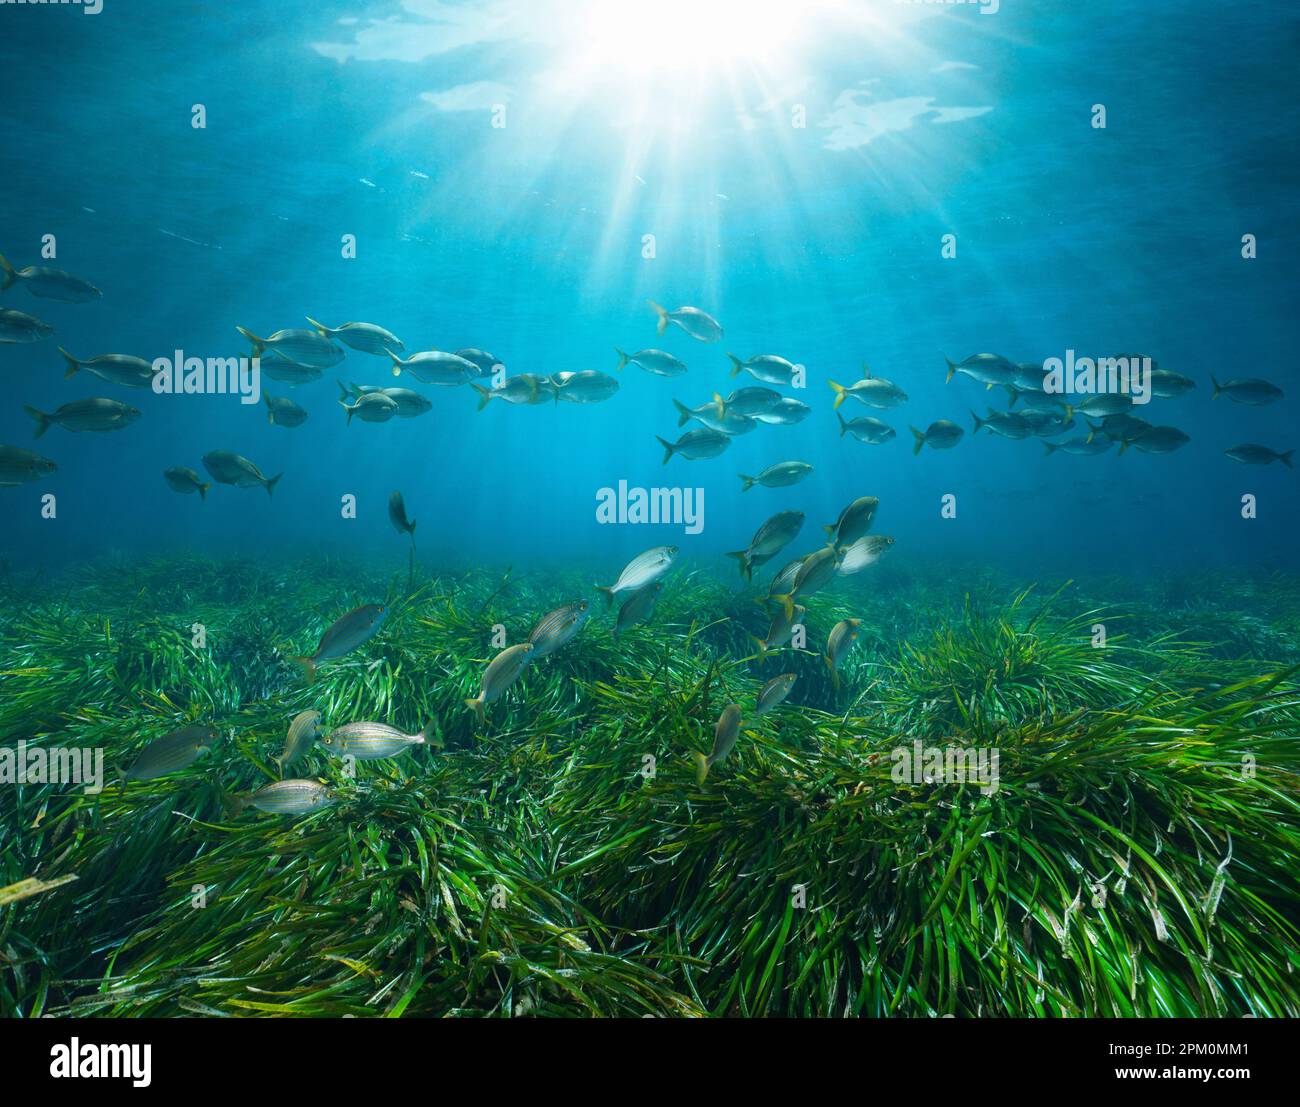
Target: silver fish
872,391
1008,424
815,571
1250,454
1169,385
747,401
853,522
86,415
277,368
942,434
658,362
370,741
785,414
366,337
866,429
172,752
863,553
696,445
769,540
1102,403
780,630
725,733
637,607
645,568
1249,391
988,369
18,326
558,628
780,475
774,692
1086,447
502,671
765,367
123,369
49,284
698,324
344,635
585,387
436,367
303,732
397,516
373,407
1117,428
1157,440
231,468
283,412
729,422
1047,423
303,347
838,644
182,479
287,797
18,466
522,388
409,403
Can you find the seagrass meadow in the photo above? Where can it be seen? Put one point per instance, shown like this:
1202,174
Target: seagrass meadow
1139,855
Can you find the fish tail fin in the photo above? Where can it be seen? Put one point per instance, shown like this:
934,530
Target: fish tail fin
920,440
397,362
683,413
1014,396
743,557
1124,445
1048,446
978,422
830,667
1217,387
749,482
736,365
623,359
1069,412
9,272
840,392
203,489
431,736
73,364
344,392
475,704
844,427
1285,458
701,767
308,667
484,395
786,602
234,805
952,368
669,448
344,405
270,485
321,328
662,325
1092,431
43,421
720,405
829,528
608,591
259,344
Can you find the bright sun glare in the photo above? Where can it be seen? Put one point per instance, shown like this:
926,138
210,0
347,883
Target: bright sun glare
664,36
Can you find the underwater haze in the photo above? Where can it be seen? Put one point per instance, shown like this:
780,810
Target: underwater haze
944,209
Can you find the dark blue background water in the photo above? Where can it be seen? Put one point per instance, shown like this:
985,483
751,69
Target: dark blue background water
821,244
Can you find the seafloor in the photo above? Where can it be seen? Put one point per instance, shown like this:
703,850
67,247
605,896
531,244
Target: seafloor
1139,855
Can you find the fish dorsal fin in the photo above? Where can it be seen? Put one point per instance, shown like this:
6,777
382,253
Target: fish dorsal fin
866,371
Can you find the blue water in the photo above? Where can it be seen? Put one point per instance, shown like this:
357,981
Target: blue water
821,244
